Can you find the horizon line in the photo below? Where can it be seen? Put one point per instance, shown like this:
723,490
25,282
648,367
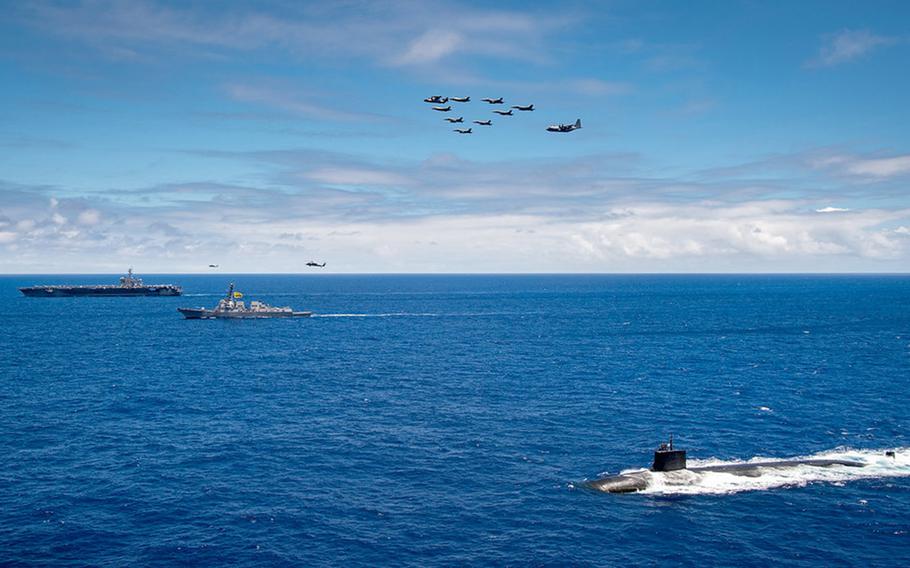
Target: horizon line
906,273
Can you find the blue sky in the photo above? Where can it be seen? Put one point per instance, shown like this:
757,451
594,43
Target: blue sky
718,136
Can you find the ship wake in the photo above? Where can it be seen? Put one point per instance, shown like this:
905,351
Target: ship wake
419,315
388,315
875,465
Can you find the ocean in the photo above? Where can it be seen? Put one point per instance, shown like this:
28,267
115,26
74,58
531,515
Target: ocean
452,421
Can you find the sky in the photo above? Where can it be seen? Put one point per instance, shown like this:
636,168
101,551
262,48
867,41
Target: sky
738,136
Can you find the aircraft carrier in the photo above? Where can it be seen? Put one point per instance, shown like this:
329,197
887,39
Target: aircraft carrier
129,286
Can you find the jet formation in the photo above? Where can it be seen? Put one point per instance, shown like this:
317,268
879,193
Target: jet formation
439,100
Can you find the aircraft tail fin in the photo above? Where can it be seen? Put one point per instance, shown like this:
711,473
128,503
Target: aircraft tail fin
578,123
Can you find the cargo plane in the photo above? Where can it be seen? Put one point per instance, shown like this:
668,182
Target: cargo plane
564,127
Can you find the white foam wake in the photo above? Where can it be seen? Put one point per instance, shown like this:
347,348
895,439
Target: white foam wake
876,465
389,315
423,315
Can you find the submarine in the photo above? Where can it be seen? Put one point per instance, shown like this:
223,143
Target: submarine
670,460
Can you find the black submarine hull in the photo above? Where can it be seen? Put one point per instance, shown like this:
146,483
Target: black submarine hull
638,480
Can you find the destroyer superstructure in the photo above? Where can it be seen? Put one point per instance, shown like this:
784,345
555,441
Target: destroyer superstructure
231,306
129,286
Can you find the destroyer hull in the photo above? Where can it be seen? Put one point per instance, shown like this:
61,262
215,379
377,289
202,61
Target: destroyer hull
200,313
70,291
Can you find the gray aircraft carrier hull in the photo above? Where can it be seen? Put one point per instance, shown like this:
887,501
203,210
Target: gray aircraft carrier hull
100,291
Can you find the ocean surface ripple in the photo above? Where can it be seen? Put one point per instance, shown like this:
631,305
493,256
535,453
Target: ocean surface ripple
449,421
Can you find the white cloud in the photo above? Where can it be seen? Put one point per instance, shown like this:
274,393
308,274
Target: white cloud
357,176
89,217
846,46
406,33
830,209
882,167
430,47
757,229
863,166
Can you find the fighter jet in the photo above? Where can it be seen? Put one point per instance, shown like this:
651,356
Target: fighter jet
493,101
484,122
315,264
463,130
453,120
504,112
213,266
436,99
520,107
461,99
564,127
443,109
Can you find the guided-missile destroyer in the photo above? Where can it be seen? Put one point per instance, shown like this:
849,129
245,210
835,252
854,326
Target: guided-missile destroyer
129,286
669,459
231,306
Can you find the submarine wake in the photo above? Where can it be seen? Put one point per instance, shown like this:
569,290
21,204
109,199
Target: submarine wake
719,477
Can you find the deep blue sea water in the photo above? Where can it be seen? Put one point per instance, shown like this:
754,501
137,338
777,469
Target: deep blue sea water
450,421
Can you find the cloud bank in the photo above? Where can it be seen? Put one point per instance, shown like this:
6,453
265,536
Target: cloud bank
443,214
